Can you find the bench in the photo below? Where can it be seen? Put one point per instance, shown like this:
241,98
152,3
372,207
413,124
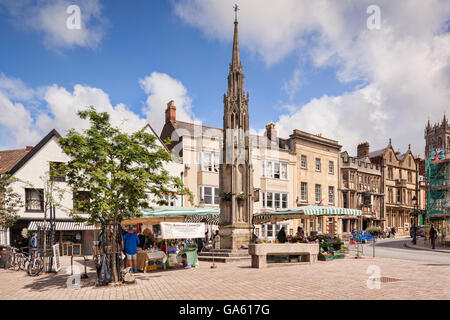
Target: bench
260,251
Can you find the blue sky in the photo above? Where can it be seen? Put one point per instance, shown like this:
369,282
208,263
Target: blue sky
297,78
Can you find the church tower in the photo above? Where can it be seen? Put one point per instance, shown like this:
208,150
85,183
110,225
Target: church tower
236,169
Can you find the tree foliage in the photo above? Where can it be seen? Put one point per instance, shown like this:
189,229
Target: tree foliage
10,202
118,170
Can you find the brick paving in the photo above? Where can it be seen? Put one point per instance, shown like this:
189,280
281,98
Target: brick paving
339,279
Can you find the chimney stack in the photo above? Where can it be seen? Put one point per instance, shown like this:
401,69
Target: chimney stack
271,132
363,150
28,148
171,112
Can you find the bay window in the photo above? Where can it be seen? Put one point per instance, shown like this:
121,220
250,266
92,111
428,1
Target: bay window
275,200
209,195
274,169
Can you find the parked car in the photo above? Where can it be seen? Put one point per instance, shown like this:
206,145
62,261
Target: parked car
419,233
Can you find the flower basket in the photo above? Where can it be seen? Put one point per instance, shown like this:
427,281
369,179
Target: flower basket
226,196
240,197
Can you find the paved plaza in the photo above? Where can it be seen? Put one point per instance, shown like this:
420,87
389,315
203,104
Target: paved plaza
338,279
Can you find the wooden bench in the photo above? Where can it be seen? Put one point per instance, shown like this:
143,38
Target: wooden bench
260,251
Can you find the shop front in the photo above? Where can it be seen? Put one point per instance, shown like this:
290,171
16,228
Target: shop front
74,238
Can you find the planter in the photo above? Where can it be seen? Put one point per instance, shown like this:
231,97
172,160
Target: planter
339,256
326,257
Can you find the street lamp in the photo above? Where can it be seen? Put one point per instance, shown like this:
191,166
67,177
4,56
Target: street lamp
414,201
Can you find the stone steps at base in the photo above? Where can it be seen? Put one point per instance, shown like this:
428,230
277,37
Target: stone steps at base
223,254
224,259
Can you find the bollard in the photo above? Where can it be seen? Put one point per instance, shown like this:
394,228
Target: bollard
84,276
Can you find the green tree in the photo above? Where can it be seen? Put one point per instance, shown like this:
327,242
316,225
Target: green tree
122,173
10,202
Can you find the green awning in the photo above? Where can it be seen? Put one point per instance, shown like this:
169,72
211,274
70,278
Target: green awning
176,214
301,212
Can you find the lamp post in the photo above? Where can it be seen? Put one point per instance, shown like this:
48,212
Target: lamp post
414,200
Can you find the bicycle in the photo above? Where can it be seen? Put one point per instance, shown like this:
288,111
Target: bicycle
12,259
36,264
23,258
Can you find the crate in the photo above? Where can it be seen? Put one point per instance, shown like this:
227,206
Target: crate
325,257
152,267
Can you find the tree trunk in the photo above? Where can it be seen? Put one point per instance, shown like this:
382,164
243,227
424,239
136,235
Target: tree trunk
45,238
115,274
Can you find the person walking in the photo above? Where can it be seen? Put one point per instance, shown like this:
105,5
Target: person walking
393,231
281,236
130,244
413,233
33,244
433,235
389,231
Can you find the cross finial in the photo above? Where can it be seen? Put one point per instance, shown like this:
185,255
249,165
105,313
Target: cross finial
236,8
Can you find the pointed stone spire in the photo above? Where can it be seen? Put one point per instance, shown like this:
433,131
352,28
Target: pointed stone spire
236,58
236,76
444,121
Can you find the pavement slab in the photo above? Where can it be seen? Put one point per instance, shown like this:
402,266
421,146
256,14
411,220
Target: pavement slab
345,279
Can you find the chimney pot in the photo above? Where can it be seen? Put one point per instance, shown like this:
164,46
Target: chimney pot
171,111
28,148
271,132
363,150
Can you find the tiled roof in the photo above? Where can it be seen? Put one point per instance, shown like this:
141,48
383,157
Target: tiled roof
376,153
9,158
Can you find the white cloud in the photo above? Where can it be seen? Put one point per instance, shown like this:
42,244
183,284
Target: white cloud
404,66
50,17
292,86
161,88
23,124
63,105
17,123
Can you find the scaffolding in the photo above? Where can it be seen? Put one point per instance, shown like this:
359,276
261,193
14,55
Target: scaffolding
438,197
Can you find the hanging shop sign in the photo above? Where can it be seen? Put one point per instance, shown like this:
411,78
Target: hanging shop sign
181,230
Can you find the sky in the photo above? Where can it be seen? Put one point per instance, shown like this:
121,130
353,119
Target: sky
340,68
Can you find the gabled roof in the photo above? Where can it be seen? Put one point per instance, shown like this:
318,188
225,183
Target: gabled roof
9,158
33,151
155,134
376,153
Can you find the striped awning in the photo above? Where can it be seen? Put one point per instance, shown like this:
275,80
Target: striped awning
176,214
301,212
63,226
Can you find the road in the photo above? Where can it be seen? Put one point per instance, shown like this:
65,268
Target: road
395,249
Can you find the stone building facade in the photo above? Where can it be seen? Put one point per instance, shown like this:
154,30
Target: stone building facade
399,174
361,188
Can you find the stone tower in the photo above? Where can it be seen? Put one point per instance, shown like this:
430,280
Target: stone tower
236,170
437,136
